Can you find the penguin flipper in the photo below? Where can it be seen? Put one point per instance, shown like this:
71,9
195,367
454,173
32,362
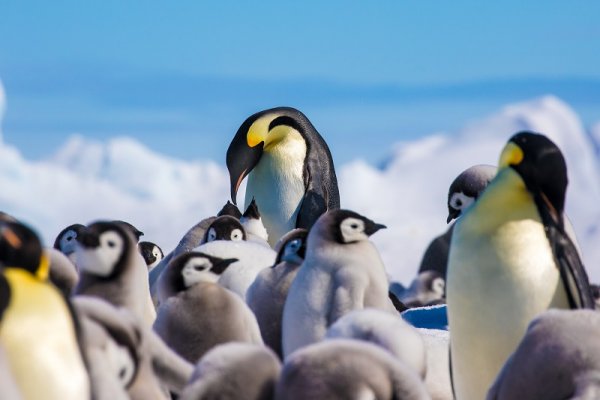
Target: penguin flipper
319,196
312,206
572,271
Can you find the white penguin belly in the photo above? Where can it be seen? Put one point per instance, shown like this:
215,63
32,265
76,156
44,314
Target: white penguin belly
39,337
277,184
497,283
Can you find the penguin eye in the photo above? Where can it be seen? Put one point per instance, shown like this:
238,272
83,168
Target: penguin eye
236,235
294,245
69,238
111,244
458,203
199,267
212,235
354,226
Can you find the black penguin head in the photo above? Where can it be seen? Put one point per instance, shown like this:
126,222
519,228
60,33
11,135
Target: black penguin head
542,167
230,209
251,211
188,269
67,238
467,187
345,226
150,252
20,247
103,248
292,247
260,132
136,232
225,228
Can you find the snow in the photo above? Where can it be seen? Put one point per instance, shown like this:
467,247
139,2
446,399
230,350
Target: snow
122,179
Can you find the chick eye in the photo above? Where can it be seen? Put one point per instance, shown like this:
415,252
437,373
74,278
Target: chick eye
199,267
236,235
69,238
111,244
354,226
212,235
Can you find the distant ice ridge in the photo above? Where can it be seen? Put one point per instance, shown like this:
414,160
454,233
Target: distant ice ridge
122,179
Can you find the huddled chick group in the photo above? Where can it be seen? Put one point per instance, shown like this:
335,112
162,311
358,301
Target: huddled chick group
290,299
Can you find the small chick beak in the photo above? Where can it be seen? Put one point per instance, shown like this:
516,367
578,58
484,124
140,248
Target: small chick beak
372,227
453,213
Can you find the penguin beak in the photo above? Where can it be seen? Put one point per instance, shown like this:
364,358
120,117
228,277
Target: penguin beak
242,156
371,227
453,213
222,265
88,239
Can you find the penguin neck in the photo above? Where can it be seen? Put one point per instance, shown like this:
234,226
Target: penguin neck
277,184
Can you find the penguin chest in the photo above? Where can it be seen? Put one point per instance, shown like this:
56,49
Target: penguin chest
498,281
277,184
40,341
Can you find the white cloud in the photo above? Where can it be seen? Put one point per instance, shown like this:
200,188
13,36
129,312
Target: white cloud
2,107
122,179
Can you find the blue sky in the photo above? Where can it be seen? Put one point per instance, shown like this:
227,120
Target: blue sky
182,76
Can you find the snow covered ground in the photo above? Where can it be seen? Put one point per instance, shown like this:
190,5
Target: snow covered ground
122,179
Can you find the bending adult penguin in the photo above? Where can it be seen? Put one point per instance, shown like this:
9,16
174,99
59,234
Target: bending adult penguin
342,271
510,259
37,329
289,167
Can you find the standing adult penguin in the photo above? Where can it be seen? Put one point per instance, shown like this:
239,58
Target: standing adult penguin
289,167
37,329
342,271
510,259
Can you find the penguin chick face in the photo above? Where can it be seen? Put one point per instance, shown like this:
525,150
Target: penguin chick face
191,268
467,187
151,253
225,228
261,132
345,226
20,247
120,362
101,248
66,240
294,251
542,168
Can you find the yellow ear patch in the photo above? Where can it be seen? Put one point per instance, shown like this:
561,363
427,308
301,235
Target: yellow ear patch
11,238
511,155
258,131
44,268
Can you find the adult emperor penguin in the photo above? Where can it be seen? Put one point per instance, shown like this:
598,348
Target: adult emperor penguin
510,259
196,313
342,271
289,167
37,329
112,268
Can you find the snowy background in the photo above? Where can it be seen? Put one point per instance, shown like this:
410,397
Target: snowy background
121,178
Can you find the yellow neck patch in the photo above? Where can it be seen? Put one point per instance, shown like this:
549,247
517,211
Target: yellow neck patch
511,155
259,130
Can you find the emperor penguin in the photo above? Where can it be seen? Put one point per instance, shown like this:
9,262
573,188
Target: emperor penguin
347,369
559,358
151,253
196,313
66,240
266,296
111,268
463,192
235,371
342,271
510,259
289,167
37,329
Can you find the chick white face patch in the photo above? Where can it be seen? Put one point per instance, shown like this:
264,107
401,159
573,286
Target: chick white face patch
236,235
101,260
68,242
353,230
461,201
198,269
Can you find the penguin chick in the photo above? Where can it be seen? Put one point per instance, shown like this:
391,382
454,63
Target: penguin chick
151,253
136,232
559,358
289,167
235,371
66,240
111,268
266,296
37,329
253,225
466,188
63,273
252,258
510,259
230,209
347,369
428,287
385,330
224,228
342,271
197,313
